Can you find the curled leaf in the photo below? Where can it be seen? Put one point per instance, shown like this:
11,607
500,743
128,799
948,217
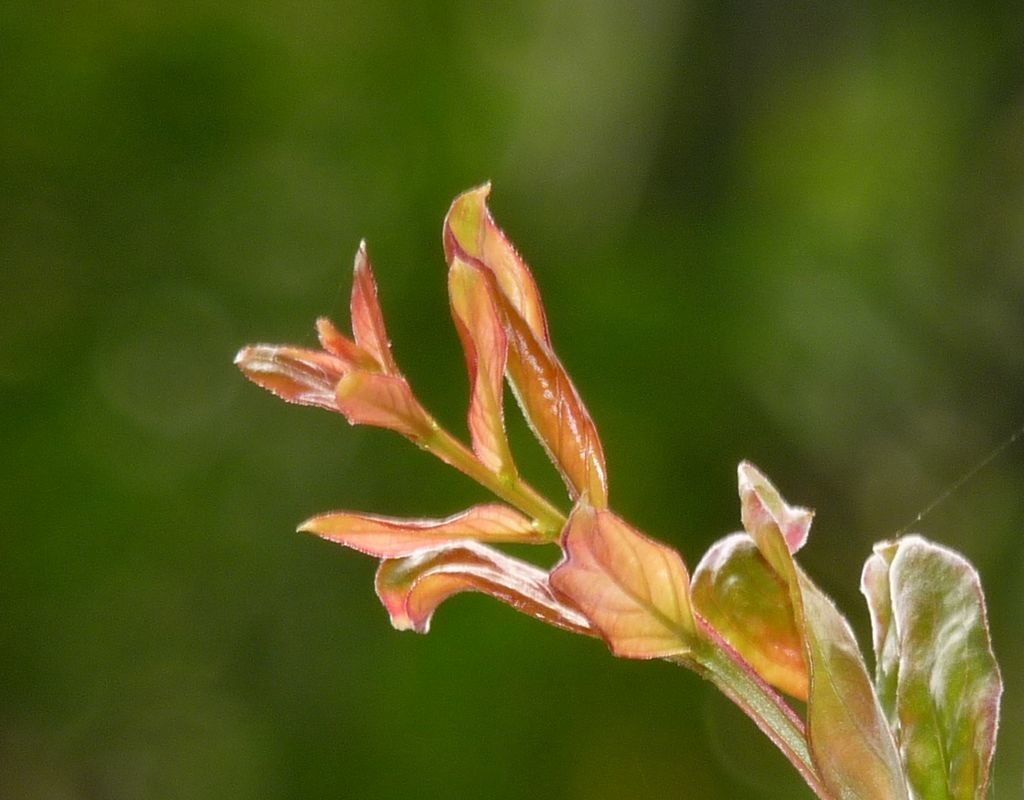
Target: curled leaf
634,590
391,537
485,345
541,385
849,737
305,377
874,585
411,588
743,598
764,506
936,671
470,228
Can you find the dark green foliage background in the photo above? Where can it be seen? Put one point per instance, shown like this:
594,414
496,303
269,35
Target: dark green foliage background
793,235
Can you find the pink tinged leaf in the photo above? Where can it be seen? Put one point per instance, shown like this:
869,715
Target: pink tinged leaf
306,377
928,613
390,537
469,227
850,740
541,385
633,590
554,410
367,319
384,401
766,507
743,598
483,340
411,588
337,344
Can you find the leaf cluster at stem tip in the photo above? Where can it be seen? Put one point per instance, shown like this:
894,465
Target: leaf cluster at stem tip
749,619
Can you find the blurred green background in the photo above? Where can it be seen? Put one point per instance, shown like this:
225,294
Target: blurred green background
794,235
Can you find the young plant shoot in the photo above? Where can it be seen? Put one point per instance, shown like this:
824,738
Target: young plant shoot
749,619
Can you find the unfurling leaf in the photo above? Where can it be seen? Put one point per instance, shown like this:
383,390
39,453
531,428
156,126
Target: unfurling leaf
486,347
367,319
874,585
936,671
850,740
541,385
634,590
305,377
333,341
411,588
766,507
355,377
748,604
392,537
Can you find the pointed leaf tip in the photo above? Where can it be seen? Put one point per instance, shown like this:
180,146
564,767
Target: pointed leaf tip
367,318
337,344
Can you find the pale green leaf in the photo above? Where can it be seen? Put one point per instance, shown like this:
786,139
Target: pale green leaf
932,644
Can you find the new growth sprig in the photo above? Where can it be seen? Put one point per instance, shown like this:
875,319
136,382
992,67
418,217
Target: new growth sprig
749,619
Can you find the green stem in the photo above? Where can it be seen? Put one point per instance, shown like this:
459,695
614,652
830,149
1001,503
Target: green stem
509,487
727,669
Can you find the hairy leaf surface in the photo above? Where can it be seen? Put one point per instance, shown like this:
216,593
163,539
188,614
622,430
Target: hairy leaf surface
304,377
555,411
